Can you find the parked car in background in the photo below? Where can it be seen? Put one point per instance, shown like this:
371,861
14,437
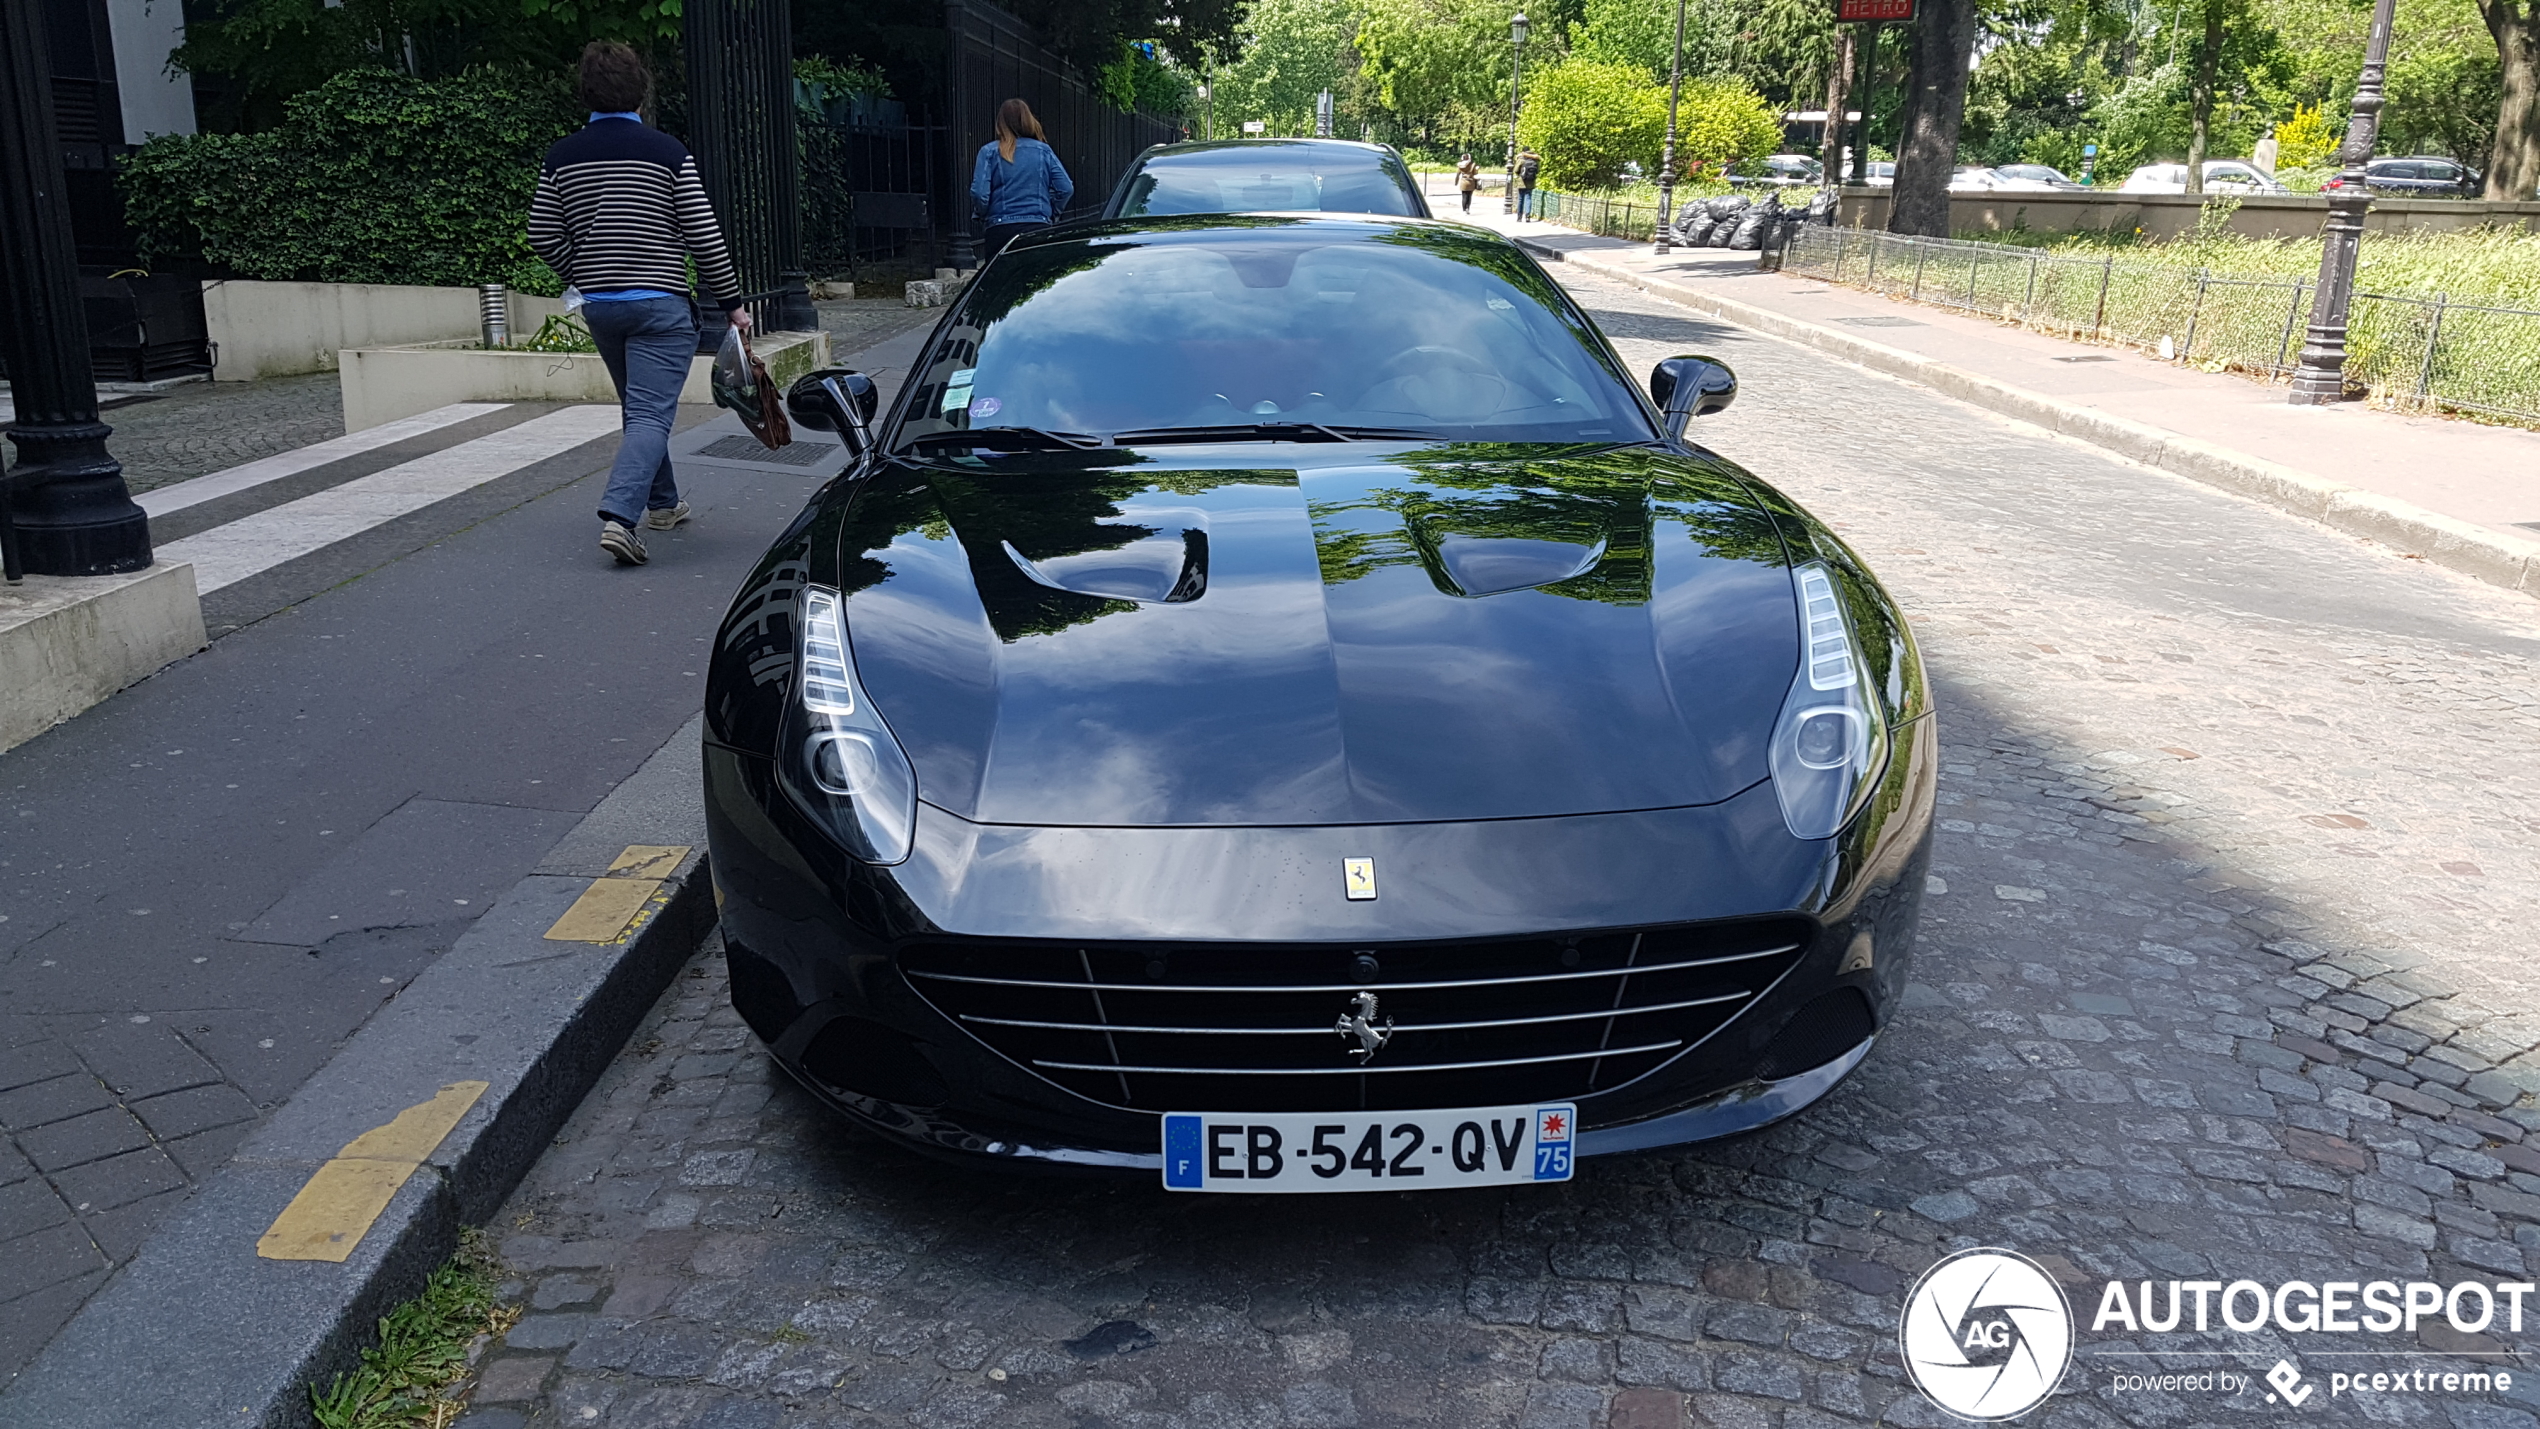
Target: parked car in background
1975,178
1880,175
2048,175
1783,171
2425,176
1268,176
2222,176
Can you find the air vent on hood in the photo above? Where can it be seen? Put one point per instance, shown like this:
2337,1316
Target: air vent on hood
1165,566
1488,565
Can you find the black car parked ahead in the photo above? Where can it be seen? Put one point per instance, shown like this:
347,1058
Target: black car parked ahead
1267,176
1273,703
2426,177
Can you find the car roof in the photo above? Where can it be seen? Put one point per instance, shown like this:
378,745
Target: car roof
1350,227
1215,146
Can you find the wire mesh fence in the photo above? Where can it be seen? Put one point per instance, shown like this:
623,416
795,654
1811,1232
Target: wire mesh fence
2402,350
1595,213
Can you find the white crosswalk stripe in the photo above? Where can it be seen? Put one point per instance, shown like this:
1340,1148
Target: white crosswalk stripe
228,554
182,494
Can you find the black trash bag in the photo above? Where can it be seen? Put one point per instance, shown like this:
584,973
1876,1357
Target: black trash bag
1821,207
1751,225
1730,212
1697,230
1688,211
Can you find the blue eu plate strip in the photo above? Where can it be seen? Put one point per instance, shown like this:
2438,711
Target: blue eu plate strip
1182,1164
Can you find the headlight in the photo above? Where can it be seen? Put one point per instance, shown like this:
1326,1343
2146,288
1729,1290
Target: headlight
1832,738
836,757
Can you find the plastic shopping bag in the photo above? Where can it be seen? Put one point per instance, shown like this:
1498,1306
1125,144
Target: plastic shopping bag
740,382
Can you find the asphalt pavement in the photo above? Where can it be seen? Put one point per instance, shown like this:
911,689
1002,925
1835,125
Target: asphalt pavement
424,673
2222,977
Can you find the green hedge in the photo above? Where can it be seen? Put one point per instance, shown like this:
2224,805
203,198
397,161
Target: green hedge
373,177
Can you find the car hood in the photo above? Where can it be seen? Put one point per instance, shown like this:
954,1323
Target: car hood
1290,634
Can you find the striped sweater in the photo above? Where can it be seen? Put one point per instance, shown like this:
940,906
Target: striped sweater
619,204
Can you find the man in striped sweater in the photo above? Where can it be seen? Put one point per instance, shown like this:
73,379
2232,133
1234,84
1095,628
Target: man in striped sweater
618,210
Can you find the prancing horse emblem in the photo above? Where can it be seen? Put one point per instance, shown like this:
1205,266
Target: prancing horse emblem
1362,1026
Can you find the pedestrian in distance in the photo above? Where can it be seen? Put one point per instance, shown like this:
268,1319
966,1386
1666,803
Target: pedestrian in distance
1468,177
1529,164
618,212
1018,183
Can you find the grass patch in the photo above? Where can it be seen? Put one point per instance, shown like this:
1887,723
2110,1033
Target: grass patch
408,1380
2496,267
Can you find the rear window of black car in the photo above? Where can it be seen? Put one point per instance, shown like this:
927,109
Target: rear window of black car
1417,328
1269,179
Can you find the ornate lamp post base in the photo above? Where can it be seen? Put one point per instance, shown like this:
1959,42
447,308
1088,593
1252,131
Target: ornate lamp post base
2319,377
72,513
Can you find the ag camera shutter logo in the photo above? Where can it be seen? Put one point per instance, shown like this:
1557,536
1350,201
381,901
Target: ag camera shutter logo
1987,1334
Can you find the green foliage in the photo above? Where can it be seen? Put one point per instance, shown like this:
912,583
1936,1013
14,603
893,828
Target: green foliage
1432,60
561,332
373,177
822,77
402,1382
1720,123
264,52
1137,81
1589,119
1292,51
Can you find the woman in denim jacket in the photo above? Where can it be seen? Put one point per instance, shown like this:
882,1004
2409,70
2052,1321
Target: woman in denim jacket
1018,184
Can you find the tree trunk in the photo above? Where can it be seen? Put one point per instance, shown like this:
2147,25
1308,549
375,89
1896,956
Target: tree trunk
2513,167
1869,86
1935,103
2200,98
1838,83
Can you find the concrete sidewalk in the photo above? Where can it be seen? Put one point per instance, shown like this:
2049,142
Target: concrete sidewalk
2453,492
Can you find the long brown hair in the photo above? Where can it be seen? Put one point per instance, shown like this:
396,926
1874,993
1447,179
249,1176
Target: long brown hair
1015,121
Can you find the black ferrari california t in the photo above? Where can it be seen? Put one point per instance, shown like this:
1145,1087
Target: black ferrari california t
1274,705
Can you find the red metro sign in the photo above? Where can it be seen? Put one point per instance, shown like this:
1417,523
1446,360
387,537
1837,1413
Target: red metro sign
1873,10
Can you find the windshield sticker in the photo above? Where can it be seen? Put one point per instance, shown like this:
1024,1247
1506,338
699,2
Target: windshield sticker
985,406
956,398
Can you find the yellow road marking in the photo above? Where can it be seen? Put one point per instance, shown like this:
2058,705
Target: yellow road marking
336,1208
612,903
648,861
601,914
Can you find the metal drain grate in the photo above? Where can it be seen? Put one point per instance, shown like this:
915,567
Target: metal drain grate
751,449
1881,322
2088,357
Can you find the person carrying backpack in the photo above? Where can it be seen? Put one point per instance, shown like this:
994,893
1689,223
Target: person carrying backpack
1468,177
1529,164
1017,184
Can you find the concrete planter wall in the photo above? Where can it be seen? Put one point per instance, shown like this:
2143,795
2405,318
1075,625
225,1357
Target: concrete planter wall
2169,215
278,329
381,384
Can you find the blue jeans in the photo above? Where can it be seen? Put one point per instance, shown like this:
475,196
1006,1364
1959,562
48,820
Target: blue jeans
647,344
1525,201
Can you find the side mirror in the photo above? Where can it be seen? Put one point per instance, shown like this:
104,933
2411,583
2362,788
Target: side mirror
1689,387
836,399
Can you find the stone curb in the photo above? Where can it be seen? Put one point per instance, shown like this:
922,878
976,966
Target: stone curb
198,1330
2457,545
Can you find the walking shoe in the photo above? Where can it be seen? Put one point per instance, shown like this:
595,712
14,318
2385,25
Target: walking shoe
623,543
666,518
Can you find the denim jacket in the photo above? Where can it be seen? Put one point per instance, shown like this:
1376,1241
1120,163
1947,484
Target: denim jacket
1032,189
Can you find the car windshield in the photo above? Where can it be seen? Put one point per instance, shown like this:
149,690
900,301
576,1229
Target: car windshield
2038,172
1412,329
1261,177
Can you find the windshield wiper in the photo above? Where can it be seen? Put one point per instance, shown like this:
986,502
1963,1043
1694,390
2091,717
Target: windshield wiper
1266,432
1019,439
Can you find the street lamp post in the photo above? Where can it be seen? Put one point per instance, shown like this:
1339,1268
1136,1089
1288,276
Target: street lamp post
1667,155
1516,76
67,500
1208,106
2320,375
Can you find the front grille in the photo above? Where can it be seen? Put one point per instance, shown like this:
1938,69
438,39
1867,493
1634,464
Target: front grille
1253,1027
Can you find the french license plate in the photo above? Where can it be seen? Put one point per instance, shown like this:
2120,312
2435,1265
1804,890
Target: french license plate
1368,1151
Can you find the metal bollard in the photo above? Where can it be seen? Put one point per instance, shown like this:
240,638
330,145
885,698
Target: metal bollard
493,308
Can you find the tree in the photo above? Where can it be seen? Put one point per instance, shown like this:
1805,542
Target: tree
1432,57
2513,167
1935,104
1724,122
1291,51
1590,118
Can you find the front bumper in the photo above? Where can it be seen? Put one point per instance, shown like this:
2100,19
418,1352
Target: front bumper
816,939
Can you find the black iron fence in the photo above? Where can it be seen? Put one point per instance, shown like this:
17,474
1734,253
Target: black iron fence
1596,213
2408,351
871,194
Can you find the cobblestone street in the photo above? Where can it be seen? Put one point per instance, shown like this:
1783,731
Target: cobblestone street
2225,978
